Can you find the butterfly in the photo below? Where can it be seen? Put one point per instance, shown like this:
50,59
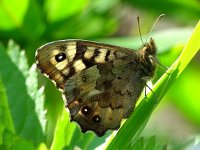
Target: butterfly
101,83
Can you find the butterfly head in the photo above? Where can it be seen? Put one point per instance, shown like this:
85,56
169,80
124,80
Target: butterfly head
150,48
147,55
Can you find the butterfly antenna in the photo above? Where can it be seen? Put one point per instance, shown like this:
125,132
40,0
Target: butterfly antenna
138,22
153,27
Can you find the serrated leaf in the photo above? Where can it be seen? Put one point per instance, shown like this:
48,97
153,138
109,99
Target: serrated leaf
14,73
19,57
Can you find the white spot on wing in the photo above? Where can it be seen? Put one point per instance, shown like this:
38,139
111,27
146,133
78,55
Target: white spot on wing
65,71
79,65
71,51
101,57
62,65
54,52
89,52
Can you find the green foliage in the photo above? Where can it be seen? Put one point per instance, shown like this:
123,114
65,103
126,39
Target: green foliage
31,23
180,10
23,97
147,144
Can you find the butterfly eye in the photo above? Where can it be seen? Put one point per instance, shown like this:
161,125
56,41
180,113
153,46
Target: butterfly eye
96,119
60,57
85,110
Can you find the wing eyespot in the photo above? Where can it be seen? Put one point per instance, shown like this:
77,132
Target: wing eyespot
86,110
60,57
96,119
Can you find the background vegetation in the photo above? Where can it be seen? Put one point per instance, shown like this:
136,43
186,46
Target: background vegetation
32,116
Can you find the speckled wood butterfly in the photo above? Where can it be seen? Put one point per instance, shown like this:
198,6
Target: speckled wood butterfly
101,83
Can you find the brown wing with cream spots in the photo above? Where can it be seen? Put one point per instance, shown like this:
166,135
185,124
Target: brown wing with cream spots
60,60
101,83
54,60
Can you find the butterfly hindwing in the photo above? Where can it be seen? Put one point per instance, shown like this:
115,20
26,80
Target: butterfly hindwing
107,93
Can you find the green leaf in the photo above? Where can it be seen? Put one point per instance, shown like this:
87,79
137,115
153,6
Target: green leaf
136,123
189,100
155,143
33,25
21,144
12,13
21,90
6,123
20,19
179,10
61,9
63,132
31,81
138,145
